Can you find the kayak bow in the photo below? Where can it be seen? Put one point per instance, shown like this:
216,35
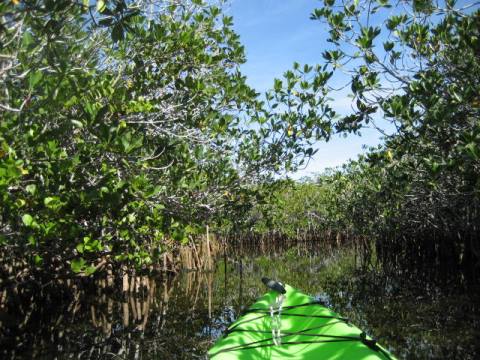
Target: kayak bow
309,330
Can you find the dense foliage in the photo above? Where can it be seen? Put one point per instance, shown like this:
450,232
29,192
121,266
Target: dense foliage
413,67
126,126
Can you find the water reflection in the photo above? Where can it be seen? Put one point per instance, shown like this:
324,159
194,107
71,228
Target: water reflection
140,317
161,316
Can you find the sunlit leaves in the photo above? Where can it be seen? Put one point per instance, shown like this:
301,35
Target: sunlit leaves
388,45
131,126
395,20
365,40
27,220
332,55
423,6
473,150
34,78
89,245
77,123
53,203
80,265
101,6
423,81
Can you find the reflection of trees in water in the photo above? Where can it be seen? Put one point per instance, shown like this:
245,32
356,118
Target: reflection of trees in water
133,315
274,243
128,318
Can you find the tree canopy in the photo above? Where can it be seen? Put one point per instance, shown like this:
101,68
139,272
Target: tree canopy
416,66
126,127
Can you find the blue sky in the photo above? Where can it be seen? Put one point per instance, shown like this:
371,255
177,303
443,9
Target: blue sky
276,33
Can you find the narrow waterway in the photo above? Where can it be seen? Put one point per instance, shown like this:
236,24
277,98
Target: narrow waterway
180,317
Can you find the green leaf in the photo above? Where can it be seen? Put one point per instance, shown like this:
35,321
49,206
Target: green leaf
80,248
34,78
90,270
48,200
457,96
423,6
27,39
20,203
32,240
77,265
101,5
327,55
117,33
277,85
31,188
472,149
77,124
52,202
108,21
27,220
388,45
394,21
38,260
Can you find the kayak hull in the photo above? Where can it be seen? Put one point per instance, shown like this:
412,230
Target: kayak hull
309,330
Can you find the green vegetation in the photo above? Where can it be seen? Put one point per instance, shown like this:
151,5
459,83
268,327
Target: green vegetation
415,68
127,127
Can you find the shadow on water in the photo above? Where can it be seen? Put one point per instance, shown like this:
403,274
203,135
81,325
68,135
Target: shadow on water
180,317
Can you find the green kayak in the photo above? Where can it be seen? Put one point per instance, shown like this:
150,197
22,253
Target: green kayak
294,326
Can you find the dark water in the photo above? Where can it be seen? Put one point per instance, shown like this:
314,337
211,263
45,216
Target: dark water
180,317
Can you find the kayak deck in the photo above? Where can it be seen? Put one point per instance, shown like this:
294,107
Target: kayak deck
309,330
